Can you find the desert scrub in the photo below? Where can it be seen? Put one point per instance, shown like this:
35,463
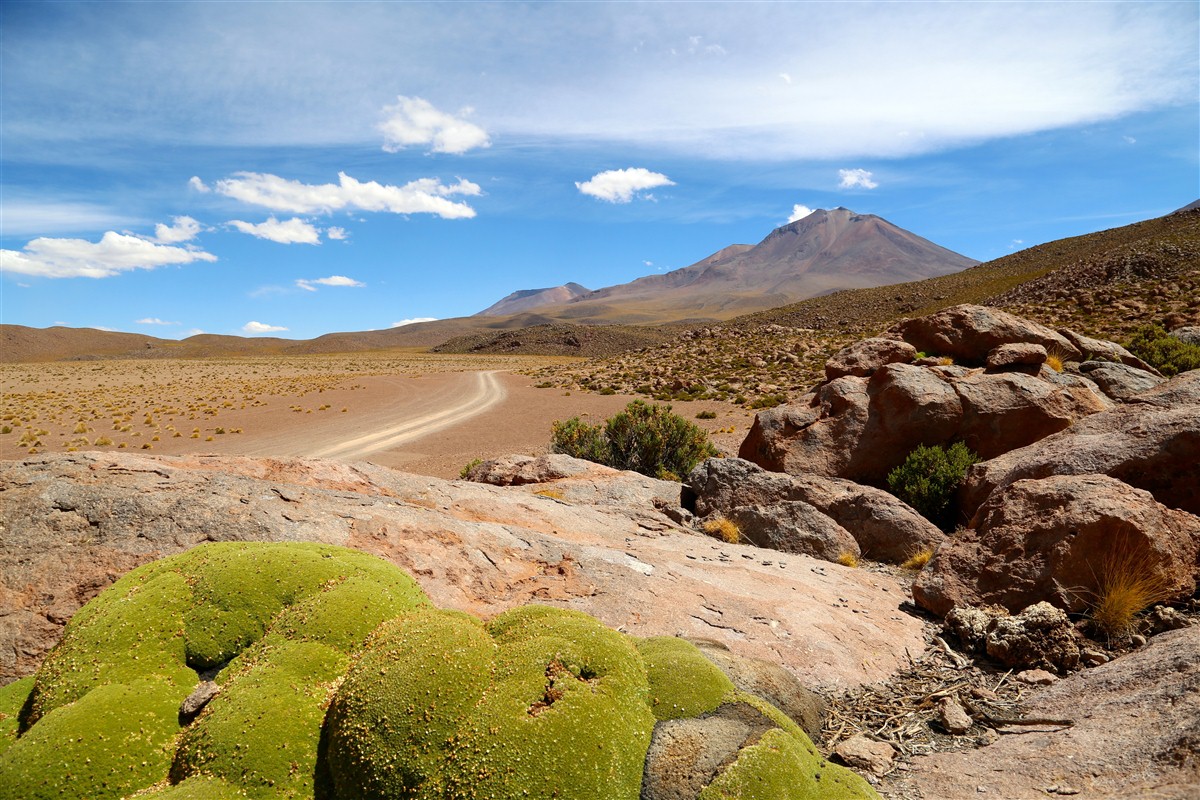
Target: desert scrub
645,438
929,478
724,529
470,465
706,415
1164,352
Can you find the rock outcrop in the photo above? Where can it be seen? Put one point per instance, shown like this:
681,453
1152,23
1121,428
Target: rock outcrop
968,333
1062,539
73,523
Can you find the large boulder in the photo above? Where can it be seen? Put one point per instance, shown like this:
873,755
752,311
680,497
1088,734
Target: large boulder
885,528
793,526
1102,349
865,356
1152,443
1121,382
1063,539
967,333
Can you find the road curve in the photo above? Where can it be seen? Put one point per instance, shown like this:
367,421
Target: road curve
487,392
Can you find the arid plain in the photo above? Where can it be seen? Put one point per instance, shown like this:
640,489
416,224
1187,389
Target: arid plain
426,413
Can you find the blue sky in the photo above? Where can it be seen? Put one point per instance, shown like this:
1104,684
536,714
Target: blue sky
293,169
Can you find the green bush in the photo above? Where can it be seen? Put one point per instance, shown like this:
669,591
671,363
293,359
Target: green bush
645,438
1164,352
928,479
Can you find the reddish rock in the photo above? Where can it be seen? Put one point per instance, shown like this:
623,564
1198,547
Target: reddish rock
967,333
866,754
1054,540
1102,349
793,526
1017,354
862,358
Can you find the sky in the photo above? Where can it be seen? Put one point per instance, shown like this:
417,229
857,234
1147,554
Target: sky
293,169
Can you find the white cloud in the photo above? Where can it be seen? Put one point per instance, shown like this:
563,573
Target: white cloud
184,229
198,185
799,212
786,78
404,322
1129,140
422,196
261,327
290,231
78,258
856,178
192,332
415,121
38,217
332,280
154,321
336,233
620,185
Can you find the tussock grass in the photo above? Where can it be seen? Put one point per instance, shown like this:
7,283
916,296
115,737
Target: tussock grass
847,559
1127,583
917,561
724,529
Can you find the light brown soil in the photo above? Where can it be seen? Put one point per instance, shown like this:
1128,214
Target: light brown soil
427,414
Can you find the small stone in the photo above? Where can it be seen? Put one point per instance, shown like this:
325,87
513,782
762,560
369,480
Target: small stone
867,754
195,702
1093,658
1037,677
1137,640
953,716
984,693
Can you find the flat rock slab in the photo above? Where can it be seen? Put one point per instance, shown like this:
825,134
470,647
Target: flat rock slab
73,523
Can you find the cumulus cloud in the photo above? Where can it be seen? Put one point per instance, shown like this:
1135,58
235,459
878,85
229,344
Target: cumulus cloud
198,185
78,258
290,231
856,178
414,121
620,185
411,321
154,321
332,280
422,196
184,229
261,327
799,212
336,233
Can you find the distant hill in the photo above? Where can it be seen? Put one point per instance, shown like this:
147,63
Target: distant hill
525,299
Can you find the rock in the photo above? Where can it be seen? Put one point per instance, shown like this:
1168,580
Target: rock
74,522
1119,381
1036,677
953,717
865,356
1165,618
1041,637
1189,334
885,528
769,680
1093,658
516,470
1143,443
1056,539
1016,354
968,333
1109,351
197,700
866,754
793,526
685,754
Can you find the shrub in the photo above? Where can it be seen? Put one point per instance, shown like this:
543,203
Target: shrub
470,465
1164,352
724,529
706,415
645,438
928,479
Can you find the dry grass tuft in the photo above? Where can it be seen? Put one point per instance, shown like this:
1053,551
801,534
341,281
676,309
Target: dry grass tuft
847,559
917,561
553,494
1054,361
1127,584
724,529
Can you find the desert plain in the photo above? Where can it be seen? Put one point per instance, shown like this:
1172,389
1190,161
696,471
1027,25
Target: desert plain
426,413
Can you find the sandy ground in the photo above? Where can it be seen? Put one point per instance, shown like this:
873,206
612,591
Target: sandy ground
425,414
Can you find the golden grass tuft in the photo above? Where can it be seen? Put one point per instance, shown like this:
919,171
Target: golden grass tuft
847,559
917,561
1054,361
1126,585
724,529
553,494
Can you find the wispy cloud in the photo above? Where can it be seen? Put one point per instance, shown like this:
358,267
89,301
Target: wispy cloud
799,212
423,196
154,321
261,327
198,185
621,185
290,231
24,217
856,179
78,258
411,321
414,121
332,280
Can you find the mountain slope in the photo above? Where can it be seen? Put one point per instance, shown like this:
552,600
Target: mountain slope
526,299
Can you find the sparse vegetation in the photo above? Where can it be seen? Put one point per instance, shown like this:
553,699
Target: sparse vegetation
929,478
470,465
1127,583
706,415
724,529
917,561
645,438
1164,352
847,559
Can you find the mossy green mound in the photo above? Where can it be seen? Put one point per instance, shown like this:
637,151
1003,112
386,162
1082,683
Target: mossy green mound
339,680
